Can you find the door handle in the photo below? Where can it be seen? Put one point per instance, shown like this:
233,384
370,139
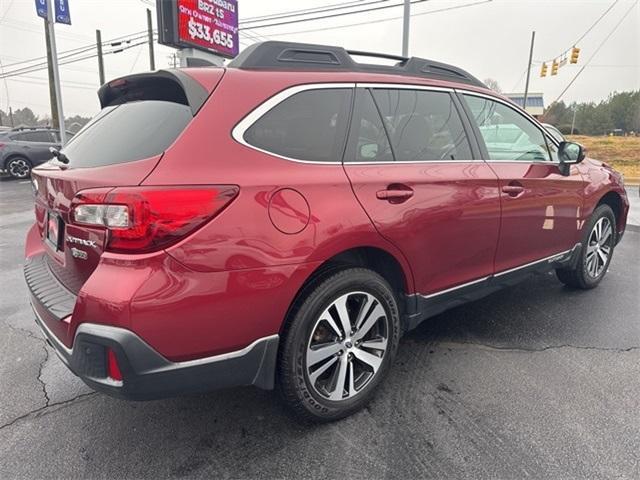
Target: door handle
513,190
395,193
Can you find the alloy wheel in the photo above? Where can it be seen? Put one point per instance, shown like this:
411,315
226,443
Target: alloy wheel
599,247
19,168
347,346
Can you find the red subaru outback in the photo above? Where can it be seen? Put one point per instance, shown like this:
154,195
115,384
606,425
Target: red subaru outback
281,222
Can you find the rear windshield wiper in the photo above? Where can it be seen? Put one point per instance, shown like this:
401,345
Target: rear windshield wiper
59,155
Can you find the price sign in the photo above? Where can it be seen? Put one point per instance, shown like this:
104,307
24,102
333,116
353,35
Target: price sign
209,24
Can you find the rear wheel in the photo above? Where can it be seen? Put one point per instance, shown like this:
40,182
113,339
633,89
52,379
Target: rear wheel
339,344
18,167
597,250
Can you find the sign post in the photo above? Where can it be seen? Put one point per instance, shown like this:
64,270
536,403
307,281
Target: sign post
46,9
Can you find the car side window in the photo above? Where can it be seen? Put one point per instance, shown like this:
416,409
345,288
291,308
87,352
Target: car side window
310,125
40,137
423,125
368,141
507,134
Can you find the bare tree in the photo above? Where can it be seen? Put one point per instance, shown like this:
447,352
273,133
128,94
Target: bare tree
492,84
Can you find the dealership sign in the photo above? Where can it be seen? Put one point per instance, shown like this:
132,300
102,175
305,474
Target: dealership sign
210,25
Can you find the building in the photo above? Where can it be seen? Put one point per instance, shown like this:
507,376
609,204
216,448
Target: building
535,102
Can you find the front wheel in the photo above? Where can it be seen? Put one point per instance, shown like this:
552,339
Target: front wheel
597,250
339,344
19,167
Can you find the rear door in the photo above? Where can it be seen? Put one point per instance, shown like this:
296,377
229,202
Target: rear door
142,116
541,207
35,145
417,172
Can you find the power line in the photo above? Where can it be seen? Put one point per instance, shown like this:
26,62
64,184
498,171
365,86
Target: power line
633,5
25,70
6,10
596,22
586,32
43,64
77,49
382,20
309,11
333,15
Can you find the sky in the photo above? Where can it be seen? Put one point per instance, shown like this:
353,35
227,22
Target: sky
489,39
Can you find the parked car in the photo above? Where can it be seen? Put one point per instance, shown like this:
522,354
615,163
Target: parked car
554,132
22,148
283,221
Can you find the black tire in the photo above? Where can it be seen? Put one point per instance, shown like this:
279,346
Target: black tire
303,325
580,276
18,167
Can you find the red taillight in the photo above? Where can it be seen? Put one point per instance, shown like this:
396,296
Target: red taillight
113,369
144,219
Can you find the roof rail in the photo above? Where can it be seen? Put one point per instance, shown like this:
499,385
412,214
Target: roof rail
277,55
26,127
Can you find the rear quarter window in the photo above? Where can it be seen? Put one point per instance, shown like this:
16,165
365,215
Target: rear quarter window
127,132
310,125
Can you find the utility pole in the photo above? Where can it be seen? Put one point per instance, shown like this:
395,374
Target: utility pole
53,62
405,27
526,85
152,61
53,99
100,60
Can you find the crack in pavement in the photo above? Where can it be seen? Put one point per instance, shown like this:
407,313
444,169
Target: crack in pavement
40,368
42,363
47,409
543,349
48,405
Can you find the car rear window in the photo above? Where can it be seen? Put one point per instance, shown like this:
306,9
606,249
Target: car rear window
127,132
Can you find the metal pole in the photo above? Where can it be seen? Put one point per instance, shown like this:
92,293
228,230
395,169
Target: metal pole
152,61
11,117
405,28
56,73
53,102
573,121
526,85
100,60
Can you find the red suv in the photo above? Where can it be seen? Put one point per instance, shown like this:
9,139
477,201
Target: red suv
281,222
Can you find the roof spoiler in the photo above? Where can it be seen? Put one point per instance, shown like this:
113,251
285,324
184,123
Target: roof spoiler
168,85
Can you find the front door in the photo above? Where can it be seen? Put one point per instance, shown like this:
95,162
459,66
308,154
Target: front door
541,207
419,178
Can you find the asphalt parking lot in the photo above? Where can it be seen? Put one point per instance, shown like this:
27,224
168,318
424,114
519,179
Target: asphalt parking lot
535,381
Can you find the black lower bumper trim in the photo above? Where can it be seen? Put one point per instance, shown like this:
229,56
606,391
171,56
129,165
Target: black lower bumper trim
148,375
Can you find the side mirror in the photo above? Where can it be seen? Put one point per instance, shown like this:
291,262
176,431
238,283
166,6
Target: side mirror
571,153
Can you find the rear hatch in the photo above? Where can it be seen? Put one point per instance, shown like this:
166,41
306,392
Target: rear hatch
141,116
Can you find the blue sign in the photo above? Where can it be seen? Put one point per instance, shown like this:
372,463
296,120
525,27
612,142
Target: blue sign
61,7
62,12
41,8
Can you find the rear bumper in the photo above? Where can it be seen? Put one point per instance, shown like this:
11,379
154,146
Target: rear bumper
147,374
